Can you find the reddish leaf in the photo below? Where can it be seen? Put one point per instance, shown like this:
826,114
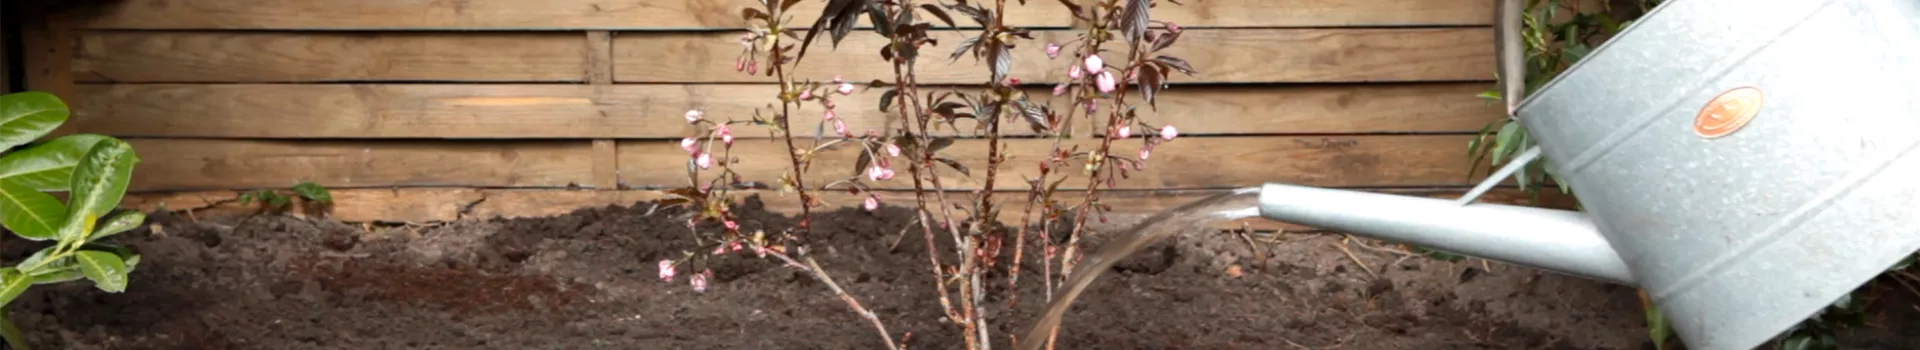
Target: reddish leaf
937,12
752,14
1133,19
1166,40
1150,82
962,168
1176,63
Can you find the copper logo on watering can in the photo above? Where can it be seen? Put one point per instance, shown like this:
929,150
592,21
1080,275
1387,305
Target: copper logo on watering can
1728,112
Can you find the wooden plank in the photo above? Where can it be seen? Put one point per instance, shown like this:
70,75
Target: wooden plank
421,205
200,164
1220,56
46,36
656,111
606,164
701,14
1195,162
329,56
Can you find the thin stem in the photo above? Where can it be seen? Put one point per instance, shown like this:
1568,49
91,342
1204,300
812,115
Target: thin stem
813,268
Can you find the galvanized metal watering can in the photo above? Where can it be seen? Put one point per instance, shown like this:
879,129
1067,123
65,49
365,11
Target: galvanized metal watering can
1745,162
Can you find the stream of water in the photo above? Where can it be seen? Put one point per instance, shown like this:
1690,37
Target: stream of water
1192,217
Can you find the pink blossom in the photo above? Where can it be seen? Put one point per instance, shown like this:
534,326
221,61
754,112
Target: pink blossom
690,144
704,161
735,246
719,249
1168,132
740,64
806,95
873,133
753,67
726,134
1011,81
1053,50
893,150
731,225
1144,153
1074,72
831,115
1173,27
1105,82
1126,131
666,270
1094,64
1092,107
840,126
872,203
699,281
886,173
846,89
1133,75
1060,89
874,172
694,115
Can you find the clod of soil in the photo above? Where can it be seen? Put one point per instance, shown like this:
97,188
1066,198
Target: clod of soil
588,280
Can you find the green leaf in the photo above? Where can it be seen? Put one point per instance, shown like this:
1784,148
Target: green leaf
48,166
1506,142
99,182
28,115
123,222
67,274
1657,327
12,283
313,192
30,214
107,270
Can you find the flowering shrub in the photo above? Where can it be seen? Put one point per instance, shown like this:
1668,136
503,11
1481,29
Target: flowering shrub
1100,79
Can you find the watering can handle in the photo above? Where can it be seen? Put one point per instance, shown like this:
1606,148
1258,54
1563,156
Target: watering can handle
1519,161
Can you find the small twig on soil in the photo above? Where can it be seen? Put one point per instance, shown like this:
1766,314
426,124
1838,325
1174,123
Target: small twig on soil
1259,256
1356,258
1902,277
1363,244
902,236
821,274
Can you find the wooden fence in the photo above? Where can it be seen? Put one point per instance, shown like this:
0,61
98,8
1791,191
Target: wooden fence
417,110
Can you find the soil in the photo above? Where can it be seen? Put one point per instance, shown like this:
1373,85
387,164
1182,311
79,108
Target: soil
588,280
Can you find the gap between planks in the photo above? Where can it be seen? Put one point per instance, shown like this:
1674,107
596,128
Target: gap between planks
423,205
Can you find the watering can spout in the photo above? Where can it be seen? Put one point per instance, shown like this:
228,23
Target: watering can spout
1555,240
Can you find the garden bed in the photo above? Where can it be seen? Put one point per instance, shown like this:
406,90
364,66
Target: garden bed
588,280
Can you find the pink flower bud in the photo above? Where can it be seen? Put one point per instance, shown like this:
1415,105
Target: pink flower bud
735,246
893,150
1172,27
873,133
836,79
699,281
732,225
1105,82
1126,131
1094,64
846,89
1013,81
831,115
726,134
873,172
1075,72
872,203
1060,89
840,126
886,173
720,250
740,64
1092,107
1133,75
753,67
690,144
1053,50
1168,132
704,161
694,115
666,270
1144,153
806,95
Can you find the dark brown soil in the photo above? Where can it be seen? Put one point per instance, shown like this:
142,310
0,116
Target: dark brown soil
588,280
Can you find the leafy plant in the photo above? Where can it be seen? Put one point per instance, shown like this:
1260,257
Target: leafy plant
923,127
317,198
94,171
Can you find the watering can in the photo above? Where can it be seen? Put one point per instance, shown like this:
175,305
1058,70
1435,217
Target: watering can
1745,162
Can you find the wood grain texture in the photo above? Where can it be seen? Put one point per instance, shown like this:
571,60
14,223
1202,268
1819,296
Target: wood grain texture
1186,163
706,14
1220,56
440,204
329,57
201,164
657,111
45,58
